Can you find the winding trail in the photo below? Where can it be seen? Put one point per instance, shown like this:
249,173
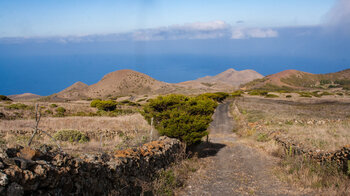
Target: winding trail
233,168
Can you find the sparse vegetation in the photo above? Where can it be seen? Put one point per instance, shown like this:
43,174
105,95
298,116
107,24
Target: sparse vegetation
71,136
237,93
19,106
258,92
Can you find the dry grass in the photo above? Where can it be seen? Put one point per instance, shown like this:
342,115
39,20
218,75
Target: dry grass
114,132
314,123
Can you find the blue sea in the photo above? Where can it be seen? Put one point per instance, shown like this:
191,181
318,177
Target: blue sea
45,72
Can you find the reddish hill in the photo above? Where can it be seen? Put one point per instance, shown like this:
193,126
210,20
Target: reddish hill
295,79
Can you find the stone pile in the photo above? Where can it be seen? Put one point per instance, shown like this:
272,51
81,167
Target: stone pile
24,171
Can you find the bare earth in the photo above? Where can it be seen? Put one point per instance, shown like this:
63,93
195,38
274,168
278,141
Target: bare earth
233,168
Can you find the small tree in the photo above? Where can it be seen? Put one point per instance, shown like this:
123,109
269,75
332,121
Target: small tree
182,117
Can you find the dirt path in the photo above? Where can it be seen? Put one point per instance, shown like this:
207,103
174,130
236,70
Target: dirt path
233,168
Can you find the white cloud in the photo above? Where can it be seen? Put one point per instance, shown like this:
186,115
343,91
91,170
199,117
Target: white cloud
246,33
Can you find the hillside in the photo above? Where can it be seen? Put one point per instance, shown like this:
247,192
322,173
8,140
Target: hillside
129,82
24,97
232,77
294,79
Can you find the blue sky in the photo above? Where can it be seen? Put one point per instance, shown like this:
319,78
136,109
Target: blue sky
23,18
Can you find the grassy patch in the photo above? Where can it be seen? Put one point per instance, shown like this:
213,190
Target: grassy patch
174,177
71,136
311,174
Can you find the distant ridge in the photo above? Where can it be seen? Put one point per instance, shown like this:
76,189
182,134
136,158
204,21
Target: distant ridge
232,77
129,82
295,79
24,97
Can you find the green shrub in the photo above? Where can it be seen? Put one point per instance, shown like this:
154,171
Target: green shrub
289,96
18,106
258,92
323,82
237,93
218,96
4,98
326,93
340,94
60,111
182,117
71,136
53,105
48,112
108,105
271,96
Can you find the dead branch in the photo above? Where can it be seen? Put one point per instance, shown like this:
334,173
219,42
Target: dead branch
37,120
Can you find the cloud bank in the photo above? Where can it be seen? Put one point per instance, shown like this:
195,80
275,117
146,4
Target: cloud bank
199,30
203,30
338,18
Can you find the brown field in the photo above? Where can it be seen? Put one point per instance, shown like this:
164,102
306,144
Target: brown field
315,123
105,133
320,124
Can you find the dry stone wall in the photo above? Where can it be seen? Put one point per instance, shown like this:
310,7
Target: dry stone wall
341,157
24,171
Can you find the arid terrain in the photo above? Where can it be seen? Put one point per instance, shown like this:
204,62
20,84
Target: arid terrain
287,139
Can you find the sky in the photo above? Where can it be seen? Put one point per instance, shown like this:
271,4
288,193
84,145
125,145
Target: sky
45,46
22,18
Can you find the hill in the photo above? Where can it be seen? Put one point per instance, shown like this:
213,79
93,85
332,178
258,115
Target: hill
232,77
24,97
294,79
129,82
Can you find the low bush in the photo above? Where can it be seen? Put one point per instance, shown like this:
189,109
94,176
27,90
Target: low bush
237,93
258,92
4,98
218,96
53,105
48,112
108,105
60,111
182,117
271,96
289,96
326,93
18,106
71,136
